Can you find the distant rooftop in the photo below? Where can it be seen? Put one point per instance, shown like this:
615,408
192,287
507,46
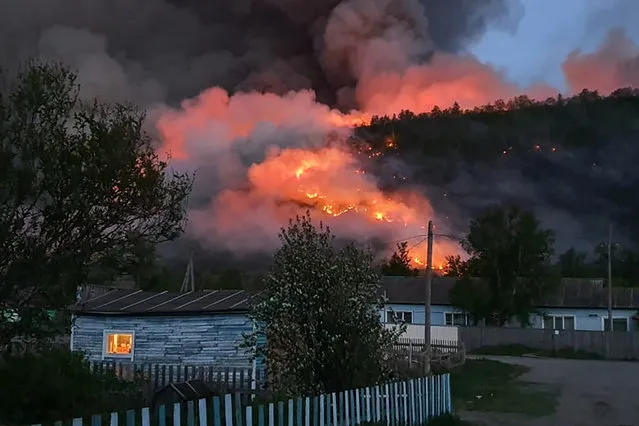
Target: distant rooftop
138,302
573,293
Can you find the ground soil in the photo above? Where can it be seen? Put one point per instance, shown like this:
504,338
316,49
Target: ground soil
591,393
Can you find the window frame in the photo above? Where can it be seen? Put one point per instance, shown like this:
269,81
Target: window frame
105,342
554,319
393,313
466,315
605,317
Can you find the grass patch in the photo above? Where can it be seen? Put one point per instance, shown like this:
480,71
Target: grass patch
486,385
519,350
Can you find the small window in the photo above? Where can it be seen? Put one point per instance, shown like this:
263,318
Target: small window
569,323
559,322
458,319
401,316
119,344
618,324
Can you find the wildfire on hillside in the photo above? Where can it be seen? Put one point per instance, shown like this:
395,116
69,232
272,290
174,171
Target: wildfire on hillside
300,152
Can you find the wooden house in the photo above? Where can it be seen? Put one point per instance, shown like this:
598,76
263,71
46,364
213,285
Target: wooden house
197,327
579,304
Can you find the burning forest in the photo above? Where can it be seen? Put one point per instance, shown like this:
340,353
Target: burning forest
262,98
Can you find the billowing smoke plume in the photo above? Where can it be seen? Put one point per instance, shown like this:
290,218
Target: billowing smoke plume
167,50
258,96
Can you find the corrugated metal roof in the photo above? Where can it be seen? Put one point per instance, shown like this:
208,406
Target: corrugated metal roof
573,293
136,302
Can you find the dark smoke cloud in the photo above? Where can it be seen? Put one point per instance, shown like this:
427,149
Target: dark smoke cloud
160,52
152,51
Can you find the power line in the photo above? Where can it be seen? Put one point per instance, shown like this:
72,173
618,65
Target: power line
404,240
385,243
416,244
449,236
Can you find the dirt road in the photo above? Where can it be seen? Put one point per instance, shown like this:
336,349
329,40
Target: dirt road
592,393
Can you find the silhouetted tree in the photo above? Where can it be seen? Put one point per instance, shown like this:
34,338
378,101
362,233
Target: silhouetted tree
319,315
399,263
508,268
574,264
81,188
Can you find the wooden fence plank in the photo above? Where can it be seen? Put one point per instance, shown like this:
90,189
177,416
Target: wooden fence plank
238,409
431,387
367,409
161,415
217,411
177,414
249,416
334,398
130,418
358,413
290,413
420,402
300,412
280,413
228,409
413,412
190,413
387,403
404,400
316,405
321,410
271,414
201,411
346,409
146,416
440,395
396,412
378,410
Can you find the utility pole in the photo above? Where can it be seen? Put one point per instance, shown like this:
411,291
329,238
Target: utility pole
188,283
611,327
427,311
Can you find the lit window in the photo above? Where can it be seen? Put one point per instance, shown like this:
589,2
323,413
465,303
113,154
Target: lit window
118,344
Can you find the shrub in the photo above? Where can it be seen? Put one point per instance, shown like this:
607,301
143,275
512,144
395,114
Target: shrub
56,384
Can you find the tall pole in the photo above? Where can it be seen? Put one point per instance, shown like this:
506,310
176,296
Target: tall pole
427,311
610,278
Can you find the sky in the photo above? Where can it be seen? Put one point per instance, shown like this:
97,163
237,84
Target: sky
548,31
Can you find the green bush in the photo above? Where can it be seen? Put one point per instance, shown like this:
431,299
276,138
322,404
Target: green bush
56,384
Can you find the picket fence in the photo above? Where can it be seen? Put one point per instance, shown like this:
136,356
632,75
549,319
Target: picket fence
159,375
437,345
406,403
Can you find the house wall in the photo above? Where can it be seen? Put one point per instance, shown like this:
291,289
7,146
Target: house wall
585,319
437,313
439,330
201,339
